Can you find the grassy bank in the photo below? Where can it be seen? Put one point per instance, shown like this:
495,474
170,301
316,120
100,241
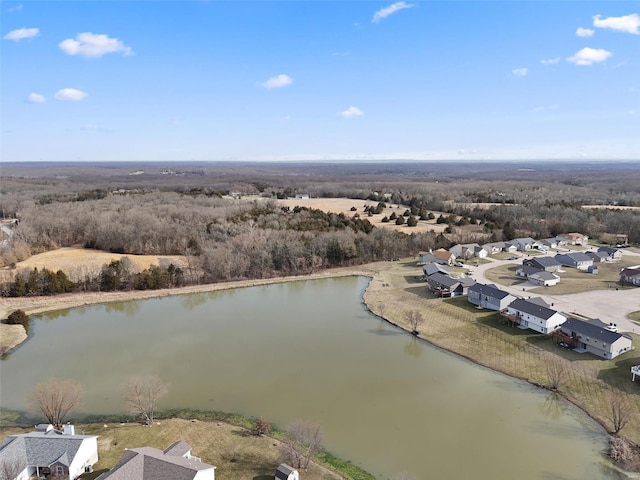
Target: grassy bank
221,439
457,326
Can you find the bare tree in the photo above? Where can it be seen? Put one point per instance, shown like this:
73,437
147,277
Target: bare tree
55,399
556,373
141,396
619,411
415,319
303,439
10,468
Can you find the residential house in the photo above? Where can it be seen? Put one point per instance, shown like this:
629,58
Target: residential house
525,270
524,244
598,257
468,250
534,316
47,452
578,260
173,463
444,257
544,278
612,253
446,286
286,472
575,238
302,196
431,268
594,337
489,296
548,264
630,275
497,247
426,258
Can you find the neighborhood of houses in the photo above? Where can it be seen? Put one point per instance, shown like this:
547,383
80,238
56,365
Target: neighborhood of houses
592,336
63,455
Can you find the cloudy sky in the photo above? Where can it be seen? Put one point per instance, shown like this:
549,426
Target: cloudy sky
297,80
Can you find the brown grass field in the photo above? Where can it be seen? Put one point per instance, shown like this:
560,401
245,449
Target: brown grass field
343,205
11,335
237,454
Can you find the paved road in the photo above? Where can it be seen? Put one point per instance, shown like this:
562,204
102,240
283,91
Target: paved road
607,305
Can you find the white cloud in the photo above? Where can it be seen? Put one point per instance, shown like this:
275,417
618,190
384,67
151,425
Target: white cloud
626,23
584,32
351,112
22,33
390,10
93,45
17,8
550,61
588,56
36,98
70,94
520,72
278,81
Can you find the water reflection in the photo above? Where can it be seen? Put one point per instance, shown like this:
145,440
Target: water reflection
553,406
414,347
129,308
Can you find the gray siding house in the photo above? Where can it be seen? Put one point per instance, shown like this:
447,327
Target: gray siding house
593,337
548,264
489,296
578,260
630,276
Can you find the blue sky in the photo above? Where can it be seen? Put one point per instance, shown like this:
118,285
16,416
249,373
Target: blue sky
313,80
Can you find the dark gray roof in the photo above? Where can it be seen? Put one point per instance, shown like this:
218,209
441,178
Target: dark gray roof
546,261
489,290
575,256
443,280
592,329
630,272
283,471
42,448
179,448
538,301
599,255
528,270
608,250
532,308
147,463
431,268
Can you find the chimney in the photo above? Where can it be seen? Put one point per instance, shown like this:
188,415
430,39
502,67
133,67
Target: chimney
69,429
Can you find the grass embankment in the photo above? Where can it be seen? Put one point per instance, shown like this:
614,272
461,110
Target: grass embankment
232,448
635,316
479,335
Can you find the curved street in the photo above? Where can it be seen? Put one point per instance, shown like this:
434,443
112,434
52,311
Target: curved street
607,305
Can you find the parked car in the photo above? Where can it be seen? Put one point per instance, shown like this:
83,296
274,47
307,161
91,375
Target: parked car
612,327
458,264
513,257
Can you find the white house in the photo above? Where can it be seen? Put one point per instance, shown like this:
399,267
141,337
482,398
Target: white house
544,278
47,452
534,316
489,296
468,250
286,472
174,462
630,275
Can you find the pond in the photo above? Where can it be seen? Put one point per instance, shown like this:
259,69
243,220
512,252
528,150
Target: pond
311,350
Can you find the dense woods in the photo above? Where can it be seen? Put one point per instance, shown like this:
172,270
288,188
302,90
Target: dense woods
187,212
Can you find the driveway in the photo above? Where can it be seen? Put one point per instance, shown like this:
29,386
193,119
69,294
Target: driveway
607,305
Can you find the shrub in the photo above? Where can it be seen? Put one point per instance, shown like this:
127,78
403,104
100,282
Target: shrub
385,220
262,427
412,221
400,220
18,317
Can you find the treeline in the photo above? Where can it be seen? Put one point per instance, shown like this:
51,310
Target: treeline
115,276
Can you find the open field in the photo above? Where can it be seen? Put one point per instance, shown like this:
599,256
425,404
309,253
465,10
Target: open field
479,335
504,275
76,261
343,205
236,453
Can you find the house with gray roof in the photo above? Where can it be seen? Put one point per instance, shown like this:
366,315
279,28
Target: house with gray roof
612,253
549,264
489,296
173,463
630,275
578,260
446,286
431,268
525,243
544,278
598,257
468,250
524,271
47,452
594,337
497,247
533,315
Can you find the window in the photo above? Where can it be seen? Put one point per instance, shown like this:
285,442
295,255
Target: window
59,469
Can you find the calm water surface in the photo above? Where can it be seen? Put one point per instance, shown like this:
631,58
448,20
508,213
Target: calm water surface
310,350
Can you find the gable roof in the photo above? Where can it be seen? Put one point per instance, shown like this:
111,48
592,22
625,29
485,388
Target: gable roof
148,463
630,272
593,328
489,290
546,261
431,268
283,471
544,275
532,308
528,270
42,448
574,256
442,254
179,448
598,255
444,280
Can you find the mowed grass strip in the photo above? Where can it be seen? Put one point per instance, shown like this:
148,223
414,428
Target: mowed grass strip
237,454
479,335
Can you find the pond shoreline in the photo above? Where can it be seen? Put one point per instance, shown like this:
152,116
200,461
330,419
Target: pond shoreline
378,283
